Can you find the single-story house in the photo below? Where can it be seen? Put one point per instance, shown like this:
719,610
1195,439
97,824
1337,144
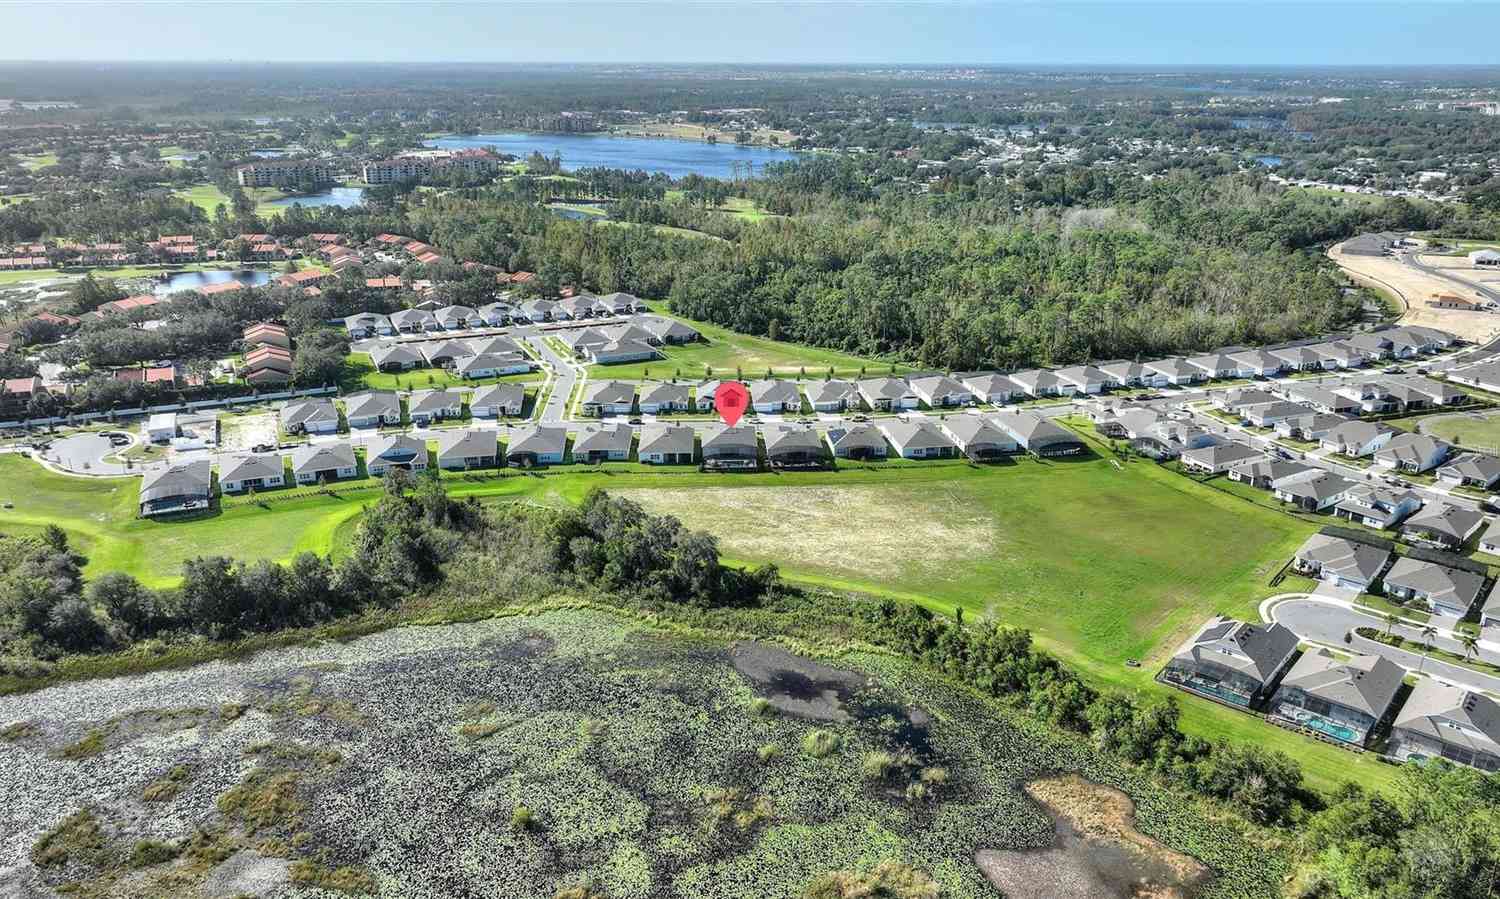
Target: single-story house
989,386
1377,507
1314,493
434,405
918,439
396,357
1124,373
497,345
161,427
1311,427
1039,382
372,409
731,448
367,324
497,400
1357,438
583,340
1038,435
1446,591
1232,661
455,318
315,416
1299,358
978,437
618,351
178,487
832,396
1219,457
1485,376
444,352
1177,371
1268,415
1344,563
856,441
663,444
887,394
1215,366
246,471
491,365
463,449
536,445
775,396
608,398
413,321
1443,721
1443,526
1240,397
1265,472
1339,354
603,443
665,397
668,330
1471,469
321,463
941,390
1342,698
621,303
1084,378
389,451
1412,453
496,314
538,310
1322,399
793,445
1257,364
1489,613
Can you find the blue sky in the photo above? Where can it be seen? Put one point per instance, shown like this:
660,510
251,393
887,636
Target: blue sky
1204,32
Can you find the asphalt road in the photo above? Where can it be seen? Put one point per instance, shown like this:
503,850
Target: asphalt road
1411,261
1321,622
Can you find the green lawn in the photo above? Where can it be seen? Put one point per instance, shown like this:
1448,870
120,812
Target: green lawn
1477,432
724,351
360,374
208,197
739,207
38,161
1103,564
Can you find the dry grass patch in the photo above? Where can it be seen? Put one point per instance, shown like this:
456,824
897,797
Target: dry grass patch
883,531
1106,814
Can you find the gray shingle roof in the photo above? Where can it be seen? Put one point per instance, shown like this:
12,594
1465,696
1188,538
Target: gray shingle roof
664,438
1452,587
608,392
180,479
1452,715
250,465
1366,683
1252,649
371,403
1345,558
321,456
467,443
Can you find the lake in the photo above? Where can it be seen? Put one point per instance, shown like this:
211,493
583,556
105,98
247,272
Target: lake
193,280
676,158
334,196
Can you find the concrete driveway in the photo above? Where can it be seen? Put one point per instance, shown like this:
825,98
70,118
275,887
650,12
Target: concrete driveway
84,454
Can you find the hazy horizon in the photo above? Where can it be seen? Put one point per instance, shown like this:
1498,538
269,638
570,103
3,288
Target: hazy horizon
1229,33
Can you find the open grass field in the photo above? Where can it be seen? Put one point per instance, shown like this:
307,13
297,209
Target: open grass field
1475,431
41,160
739,207
1102,564
208,197
723,351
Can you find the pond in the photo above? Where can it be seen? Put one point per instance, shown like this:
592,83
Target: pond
333,196
676,158
1270,162
193,280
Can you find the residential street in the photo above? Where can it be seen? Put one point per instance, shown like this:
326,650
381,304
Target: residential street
1320,620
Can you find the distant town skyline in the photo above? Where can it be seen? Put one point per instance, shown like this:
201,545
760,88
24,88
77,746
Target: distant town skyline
1204,33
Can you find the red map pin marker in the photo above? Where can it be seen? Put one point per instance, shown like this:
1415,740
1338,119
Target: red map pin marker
731,399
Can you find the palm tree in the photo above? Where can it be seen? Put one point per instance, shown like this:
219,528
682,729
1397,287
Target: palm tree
1470,644
1390,621
1428,633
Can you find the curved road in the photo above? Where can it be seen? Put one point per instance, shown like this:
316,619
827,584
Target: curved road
1321,621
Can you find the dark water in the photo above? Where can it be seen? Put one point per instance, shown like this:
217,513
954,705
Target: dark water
334,196
674,157
193,280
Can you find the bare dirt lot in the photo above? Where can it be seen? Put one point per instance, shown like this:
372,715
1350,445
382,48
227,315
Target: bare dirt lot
1413,287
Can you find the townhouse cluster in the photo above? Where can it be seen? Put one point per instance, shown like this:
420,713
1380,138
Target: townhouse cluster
430,317
1353,700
